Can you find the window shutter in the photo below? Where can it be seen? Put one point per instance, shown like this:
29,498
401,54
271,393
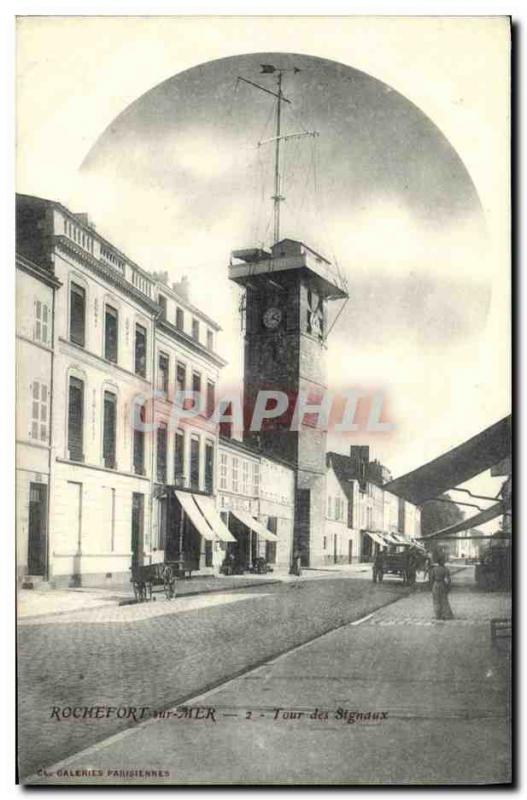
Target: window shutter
76,419
109,430
77,314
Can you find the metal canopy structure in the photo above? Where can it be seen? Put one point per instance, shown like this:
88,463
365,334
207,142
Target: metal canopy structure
472,522
456,466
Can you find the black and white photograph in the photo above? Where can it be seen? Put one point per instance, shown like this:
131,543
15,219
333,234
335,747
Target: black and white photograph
263,401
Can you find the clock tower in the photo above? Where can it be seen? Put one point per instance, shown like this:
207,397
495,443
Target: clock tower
287,290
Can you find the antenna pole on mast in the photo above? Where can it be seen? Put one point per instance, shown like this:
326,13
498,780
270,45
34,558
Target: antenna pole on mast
277,198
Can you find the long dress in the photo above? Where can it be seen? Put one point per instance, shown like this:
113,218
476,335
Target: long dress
440,577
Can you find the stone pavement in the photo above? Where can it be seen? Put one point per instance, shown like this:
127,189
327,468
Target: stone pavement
158,654
391,698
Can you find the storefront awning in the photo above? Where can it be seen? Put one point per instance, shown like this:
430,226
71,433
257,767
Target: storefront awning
376,537
193,511
208,509
263,532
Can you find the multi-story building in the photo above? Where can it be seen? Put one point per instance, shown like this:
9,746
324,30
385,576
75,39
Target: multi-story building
256,500
186,380
115,333
35,299
361,515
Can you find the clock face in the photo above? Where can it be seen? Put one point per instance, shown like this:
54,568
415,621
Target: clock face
272,317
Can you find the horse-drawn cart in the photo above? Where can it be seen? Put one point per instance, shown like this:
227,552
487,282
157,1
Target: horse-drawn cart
150,578
403,561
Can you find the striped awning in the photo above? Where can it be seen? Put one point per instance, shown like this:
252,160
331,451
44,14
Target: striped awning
256,526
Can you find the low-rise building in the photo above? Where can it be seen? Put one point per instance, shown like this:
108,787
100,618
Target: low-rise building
256,500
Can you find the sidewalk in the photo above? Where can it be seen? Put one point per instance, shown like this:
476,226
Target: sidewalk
33,603
395,698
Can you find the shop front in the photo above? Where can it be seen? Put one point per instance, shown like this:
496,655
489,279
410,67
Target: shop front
190,531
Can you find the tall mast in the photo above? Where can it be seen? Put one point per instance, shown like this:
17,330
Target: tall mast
277,197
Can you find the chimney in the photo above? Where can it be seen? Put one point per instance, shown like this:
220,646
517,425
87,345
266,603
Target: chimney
85,220
182,287
162,277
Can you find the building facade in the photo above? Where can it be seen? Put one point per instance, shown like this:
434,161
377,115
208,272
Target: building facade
361,514
117,337
256,500
35,299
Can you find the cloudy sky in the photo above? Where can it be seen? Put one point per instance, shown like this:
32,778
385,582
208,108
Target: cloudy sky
177,181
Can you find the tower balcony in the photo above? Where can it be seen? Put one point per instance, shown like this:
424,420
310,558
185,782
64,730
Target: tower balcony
288,256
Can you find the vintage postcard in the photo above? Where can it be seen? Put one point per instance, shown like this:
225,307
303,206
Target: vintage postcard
263,468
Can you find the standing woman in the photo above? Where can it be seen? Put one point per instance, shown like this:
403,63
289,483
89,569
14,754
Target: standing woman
441,580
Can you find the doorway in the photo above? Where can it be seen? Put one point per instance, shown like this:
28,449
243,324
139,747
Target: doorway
350,551
36,546
335,548
138,521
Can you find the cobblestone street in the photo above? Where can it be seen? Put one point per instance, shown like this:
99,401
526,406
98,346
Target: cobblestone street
394,697
158,654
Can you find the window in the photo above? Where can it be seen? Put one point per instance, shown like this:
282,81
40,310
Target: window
325,543
350,508
209,467
234,474
41,322
180,319
179,459
77,314
39,411
108,443
210,339
162,372
270,547
196,388
76,419
245,477
111,328
139,440
223,470
161,463
181,377
256,479
195,329
140,350
162,302
194,462
211,398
